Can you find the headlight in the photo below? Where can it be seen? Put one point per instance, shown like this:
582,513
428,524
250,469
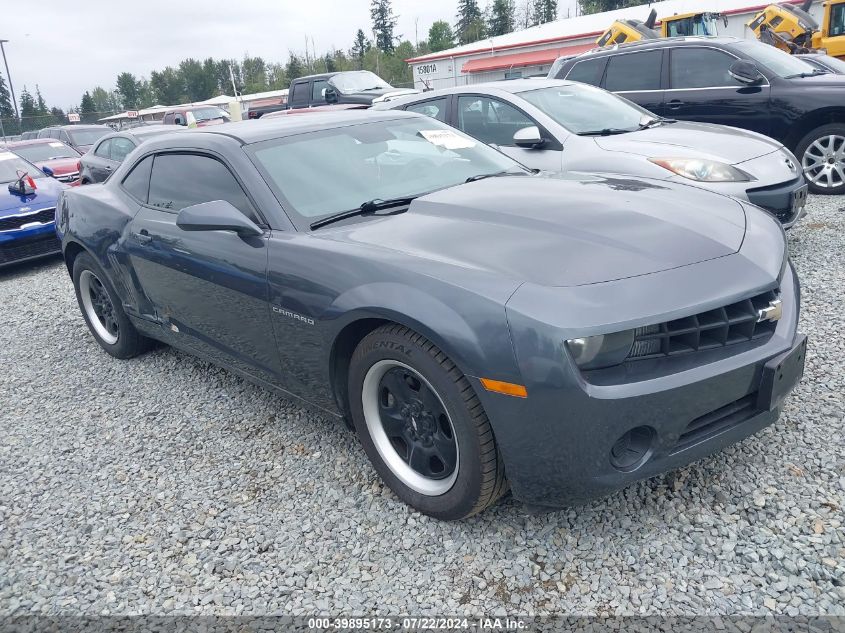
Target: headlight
603,350
702,170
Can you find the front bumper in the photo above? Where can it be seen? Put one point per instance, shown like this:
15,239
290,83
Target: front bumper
779,200
561,443
26,244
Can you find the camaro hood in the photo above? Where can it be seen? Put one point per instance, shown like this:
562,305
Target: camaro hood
559,230
698,140
46,192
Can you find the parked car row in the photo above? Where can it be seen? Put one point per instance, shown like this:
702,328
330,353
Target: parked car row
728,81
481,325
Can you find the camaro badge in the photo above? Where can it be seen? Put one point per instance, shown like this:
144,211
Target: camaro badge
773,312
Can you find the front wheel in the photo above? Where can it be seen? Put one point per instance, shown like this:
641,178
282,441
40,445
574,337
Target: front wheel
103,312
422,426
822,156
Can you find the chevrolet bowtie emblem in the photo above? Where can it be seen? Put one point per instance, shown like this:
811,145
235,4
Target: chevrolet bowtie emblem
773,312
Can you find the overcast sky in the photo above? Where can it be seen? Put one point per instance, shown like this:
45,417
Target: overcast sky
71,47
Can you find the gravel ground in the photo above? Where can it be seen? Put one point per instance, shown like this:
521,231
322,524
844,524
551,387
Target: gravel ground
166,485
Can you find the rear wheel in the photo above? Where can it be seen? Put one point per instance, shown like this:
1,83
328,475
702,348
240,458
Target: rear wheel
822,156
103,312
422,426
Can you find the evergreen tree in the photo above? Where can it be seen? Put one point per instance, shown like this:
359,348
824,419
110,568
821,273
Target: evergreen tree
86,105
501,17
384,22
129,89
254,73
546,11
440,36
359,48
7,110
28,105
295,67
598,6
470,26
40,105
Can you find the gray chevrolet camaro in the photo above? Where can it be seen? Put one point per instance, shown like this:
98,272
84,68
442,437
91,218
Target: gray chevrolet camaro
481,327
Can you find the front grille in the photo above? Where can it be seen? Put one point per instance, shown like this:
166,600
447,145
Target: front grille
68,177
14,222
734,323
28,250
717,421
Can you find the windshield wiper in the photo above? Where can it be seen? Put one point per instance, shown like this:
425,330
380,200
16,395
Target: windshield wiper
496,174
608,131
373,88
655,121
815,73
367,208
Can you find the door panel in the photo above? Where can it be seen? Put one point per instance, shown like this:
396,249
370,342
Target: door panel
701,89
211,286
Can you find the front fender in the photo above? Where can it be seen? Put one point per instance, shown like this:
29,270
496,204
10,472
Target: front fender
470,329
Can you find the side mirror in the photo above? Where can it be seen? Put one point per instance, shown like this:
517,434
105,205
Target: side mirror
745,72
529,138
178,120
217,215
330,94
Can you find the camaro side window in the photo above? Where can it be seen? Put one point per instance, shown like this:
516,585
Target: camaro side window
700,68
137,181
182,180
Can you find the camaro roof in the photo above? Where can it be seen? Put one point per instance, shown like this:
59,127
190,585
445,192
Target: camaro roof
261,130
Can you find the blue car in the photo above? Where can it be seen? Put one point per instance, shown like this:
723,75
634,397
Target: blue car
27,211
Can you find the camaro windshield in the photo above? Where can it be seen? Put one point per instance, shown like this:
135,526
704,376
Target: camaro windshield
358,81
321,173
10,165
777,61
87,137
45,151
583,109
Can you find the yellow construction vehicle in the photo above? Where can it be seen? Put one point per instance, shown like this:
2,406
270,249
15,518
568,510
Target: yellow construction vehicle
701,23
794,30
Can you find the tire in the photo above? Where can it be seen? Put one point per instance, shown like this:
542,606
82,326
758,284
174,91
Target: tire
400,380
95,296
822,157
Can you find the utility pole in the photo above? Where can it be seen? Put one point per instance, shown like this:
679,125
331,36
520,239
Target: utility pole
9,77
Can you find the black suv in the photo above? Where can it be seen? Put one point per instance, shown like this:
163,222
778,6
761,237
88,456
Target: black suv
730,81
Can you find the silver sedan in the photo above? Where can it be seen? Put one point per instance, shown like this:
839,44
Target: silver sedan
558,125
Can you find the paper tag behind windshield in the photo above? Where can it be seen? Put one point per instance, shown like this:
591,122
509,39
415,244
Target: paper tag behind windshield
447,139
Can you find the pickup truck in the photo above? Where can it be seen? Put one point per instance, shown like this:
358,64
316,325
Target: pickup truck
354,86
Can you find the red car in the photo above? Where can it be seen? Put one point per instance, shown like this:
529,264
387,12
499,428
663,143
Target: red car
60,159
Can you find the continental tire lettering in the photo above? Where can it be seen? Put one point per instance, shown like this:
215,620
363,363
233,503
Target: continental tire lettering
394,347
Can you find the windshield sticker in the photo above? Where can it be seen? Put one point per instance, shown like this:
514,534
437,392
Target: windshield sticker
447,139
6,156
55,144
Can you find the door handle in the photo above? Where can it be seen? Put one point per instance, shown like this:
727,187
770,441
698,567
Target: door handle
674,104
143,237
